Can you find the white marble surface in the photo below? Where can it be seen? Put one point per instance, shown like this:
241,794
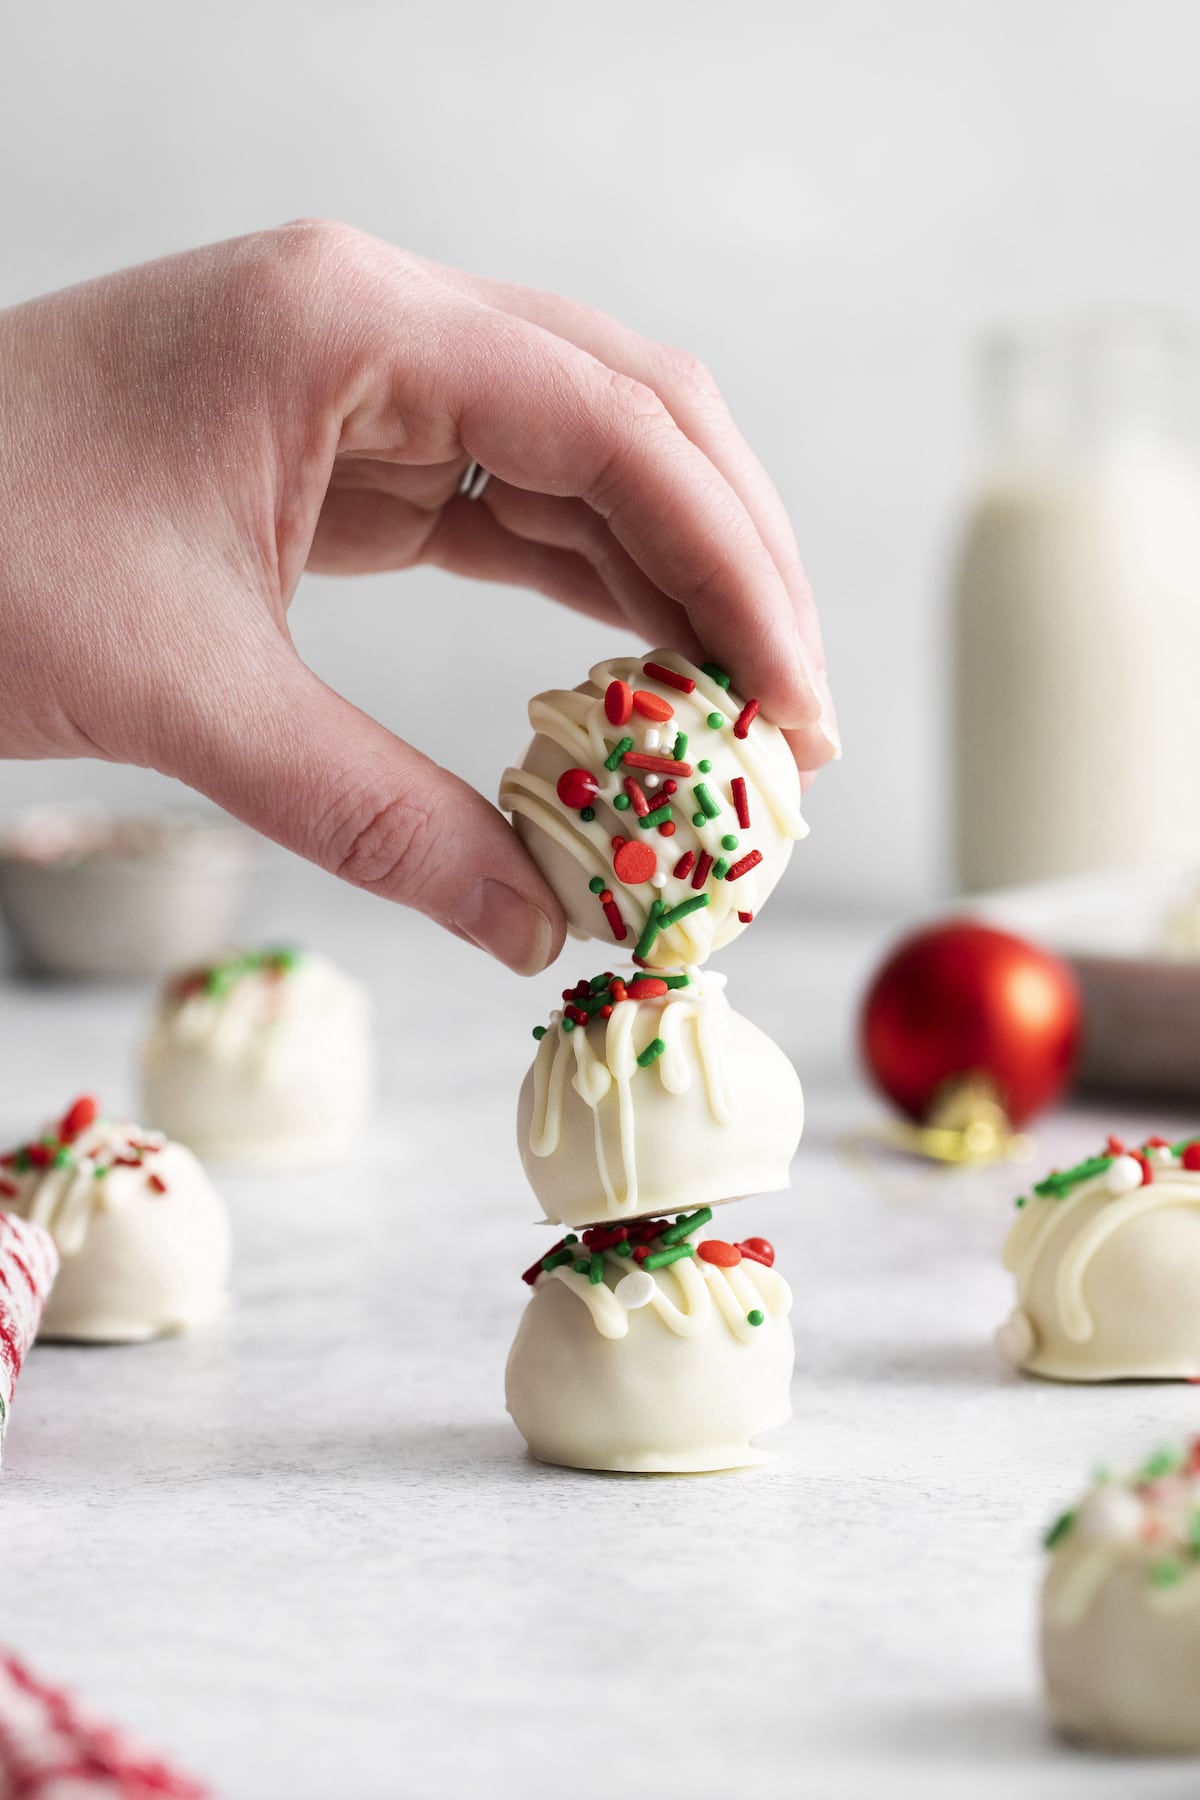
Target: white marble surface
304,1553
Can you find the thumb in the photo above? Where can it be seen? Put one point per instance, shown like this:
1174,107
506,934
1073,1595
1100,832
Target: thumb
305,767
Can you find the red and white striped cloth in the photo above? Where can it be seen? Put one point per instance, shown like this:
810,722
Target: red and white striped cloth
28,1265
50,1751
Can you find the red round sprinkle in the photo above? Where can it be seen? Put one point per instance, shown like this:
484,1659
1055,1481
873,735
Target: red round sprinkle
759,1250
606,896
716,1250
618,702
78,1117
669,787
616,842
647,987
641,1253
652,706
634,863
1191,1157
577,788
667,828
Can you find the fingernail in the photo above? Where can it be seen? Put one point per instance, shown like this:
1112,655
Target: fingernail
827,725
505,924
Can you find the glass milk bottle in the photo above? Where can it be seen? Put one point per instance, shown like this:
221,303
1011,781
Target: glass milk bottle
1077,621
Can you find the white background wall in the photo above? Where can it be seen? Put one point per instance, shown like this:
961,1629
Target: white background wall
828,200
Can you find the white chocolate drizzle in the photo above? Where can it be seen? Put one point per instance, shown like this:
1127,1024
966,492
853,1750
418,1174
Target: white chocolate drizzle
700,1289
680,1014
63,1200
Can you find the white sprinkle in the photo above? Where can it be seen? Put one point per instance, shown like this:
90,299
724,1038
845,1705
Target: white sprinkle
1123,1174
1111,1515
652,781
1161,1153
658,879
653,737
635,1289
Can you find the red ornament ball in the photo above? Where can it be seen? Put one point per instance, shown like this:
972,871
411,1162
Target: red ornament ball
577,788
963,999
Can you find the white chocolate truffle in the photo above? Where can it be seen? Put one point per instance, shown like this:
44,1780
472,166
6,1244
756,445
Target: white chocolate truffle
736,776
1120,1635
142,1233
674,1100
1107,1262
670,1370
262,1060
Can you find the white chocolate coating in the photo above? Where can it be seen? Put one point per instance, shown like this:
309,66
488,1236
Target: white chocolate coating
572,730
1108,1278
1120,1633
716,1117
144,1245
272,1071
677,1382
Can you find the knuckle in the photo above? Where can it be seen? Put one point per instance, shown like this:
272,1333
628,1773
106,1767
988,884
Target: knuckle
386,845
685,371
641,418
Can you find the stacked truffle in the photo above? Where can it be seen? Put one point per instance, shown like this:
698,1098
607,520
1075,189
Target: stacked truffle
662,811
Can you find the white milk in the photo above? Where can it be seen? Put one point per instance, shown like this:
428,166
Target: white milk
1077,628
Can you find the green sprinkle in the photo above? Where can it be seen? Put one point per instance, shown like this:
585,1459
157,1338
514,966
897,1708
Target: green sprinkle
679,748
539,1032
1167,1572
572,1237
587,814
556,1259
1183,1144
716,720
597,884
624,1248
729,842
596,1269
651,930
667,919
1063,1180
23,1162
581,1265
568,1024
98,1174
699,820
716,674
1058,1530
63,1158
663,1258
659,816
676,981
704,800
1194,1533
1021,1200
754,1318
611,761
1163,1462
651,1053
720,868
685,1224
704,766
599,981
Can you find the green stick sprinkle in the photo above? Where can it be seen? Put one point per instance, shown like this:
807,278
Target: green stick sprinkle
720,868
651,1053
662,1258
716,674
679,750
1058,1531
651,929
704,800
596,1269
659,816
582,1265
676,981
754,1318
673,916
556,1260
611,762
624,1248
685,1224
1060,1183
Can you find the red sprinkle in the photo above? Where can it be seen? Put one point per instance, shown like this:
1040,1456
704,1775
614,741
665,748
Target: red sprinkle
78,1117
1191,1157
657,765
683,683
653,706
618,702
743,865
618,990
612,913
716,1250
576,1014
157,1183
637,798
647,987
576,788
702,868
39,1155
759,1250
1114,1146
669,787
9,1189
667,828
634,863
641,1253
535,1269
683,867
741,804
1158,1143
746,918
745,719
1139,1156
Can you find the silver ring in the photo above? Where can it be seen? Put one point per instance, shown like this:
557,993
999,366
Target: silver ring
474,479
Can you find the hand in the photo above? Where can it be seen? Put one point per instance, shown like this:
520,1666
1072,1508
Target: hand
180,441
